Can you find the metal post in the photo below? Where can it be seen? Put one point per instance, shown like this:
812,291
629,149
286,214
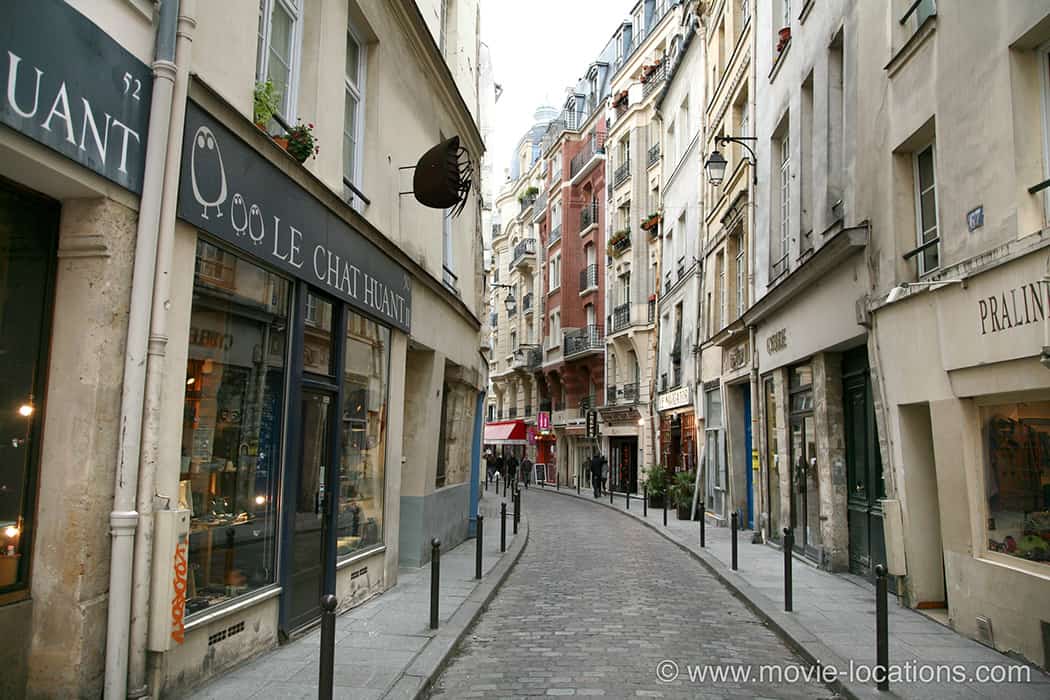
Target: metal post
627,497
477,552
505,480
882,631
557,481
665,510
435,580
610,492
645,501
789,544
733,520
517,510
703,523
327,667
503,527
577,481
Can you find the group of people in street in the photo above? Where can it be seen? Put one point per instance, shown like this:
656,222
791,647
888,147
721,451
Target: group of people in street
500,467
599,467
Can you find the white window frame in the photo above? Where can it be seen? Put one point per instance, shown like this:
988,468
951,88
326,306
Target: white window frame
723,295
447,249
740,276
920,225
1044,70
745,13
786,4
785,197
287,110
554,273
356,89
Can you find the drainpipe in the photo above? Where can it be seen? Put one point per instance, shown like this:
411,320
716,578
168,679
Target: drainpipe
124,518
150,458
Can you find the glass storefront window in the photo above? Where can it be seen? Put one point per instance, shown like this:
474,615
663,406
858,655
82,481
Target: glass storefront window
27,235
1017,479
231,432
772,460
363,440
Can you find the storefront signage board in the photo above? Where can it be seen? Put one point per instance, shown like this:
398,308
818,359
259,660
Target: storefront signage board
232,192
70,86
673,399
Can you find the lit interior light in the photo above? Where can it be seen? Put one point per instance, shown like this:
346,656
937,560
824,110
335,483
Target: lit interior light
190,381
11,531
641,421
259,500
25,410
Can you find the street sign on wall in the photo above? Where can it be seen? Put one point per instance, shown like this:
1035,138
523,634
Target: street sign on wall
543,420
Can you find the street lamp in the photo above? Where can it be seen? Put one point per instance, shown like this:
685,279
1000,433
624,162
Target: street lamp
510,302
716,162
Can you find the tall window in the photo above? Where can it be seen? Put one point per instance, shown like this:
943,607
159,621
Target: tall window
926,209
720,270
232,427
741,275
276,57
785,204
446,242
554,272
353,108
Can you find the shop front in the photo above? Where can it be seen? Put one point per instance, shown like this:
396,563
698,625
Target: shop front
678,451
620,426
291,320
967,523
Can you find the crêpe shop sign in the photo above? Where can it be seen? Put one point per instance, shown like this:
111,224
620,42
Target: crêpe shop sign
230,191
71,87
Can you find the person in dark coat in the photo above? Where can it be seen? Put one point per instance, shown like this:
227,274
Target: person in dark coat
526,470
603,467
500,467
596,474
512,468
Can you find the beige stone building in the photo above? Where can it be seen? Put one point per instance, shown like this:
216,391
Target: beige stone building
254,371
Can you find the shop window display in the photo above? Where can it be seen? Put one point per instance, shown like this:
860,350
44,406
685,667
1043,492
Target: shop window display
363,439
1017,479
232,426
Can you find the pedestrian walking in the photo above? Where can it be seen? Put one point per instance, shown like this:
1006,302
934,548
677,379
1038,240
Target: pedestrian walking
512,467
526,471
604,469
596,475
500,468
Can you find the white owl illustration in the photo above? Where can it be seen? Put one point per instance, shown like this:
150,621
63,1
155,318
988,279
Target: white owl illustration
205,144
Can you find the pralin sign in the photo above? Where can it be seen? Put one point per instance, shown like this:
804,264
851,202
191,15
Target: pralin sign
230,191
1014,307
69,86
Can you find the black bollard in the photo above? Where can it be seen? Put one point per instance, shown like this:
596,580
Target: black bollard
435,580
665,510
703,523
882,631
517,509
627,497
503,527
480,544
789,544
610,492
645,501
505,480
733,521
557,482
327,667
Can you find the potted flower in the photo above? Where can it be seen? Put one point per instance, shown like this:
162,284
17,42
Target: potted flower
649,223
785,36
656,485
682,493
302,144
618,242
266,103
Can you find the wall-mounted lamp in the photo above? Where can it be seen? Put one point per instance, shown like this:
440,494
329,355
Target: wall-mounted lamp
510,302
716,162
898,291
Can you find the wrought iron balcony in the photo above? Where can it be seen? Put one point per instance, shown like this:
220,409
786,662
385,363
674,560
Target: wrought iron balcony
527,202
524,252
526,303
588,215
583,340
526,357
589,277
555,234
654,154
621,173
621,317
592,146
620,245
629,392
654,79
610,394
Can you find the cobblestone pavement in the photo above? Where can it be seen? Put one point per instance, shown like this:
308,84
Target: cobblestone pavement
596,603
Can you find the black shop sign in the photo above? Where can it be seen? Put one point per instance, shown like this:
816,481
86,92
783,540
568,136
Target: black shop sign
70,86
227,189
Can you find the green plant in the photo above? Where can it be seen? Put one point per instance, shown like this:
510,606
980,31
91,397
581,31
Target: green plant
656,480
613,247
682,489
302,143
267,102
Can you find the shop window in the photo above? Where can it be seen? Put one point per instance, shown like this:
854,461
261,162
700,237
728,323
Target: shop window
772,459
715,453
231,433
27,239
1017,479
362,462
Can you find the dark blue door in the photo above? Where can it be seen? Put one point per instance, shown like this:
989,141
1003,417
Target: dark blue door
748,462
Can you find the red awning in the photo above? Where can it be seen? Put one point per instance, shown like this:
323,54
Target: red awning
511,432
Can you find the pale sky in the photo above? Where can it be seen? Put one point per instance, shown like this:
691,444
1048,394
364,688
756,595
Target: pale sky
539,48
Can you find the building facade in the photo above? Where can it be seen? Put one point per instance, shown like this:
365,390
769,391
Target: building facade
261,319
641,45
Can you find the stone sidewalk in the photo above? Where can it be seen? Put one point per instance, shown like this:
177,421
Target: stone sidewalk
384,647
833,622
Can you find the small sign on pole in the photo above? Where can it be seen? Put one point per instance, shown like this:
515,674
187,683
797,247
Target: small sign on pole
592,423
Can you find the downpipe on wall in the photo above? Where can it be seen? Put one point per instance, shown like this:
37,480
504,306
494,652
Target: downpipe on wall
124,518
150,458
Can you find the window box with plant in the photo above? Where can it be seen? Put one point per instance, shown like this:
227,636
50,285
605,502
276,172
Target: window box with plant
783,38
651,222
619,242
302,144
530,193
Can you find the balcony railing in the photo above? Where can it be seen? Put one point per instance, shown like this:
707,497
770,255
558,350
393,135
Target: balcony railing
527,202
621,245
593,146
525,249
581,340
539,207
610,394
526,357
555,234
654,79
621,173
629,392
589,277
651,317
668,281
621,317
526,303
654,154
588,216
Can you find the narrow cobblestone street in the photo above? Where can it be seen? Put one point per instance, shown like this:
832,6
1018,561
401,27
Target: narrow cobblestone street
595,604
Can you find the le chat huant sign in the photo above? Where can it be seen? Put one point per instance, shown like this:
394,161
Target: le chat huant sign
71,87
230,191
